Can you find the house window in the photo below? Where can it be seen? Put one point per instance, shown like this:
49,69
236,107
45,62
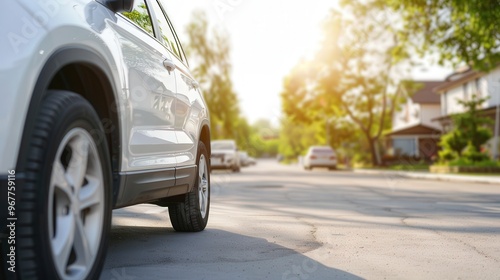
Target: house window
405,147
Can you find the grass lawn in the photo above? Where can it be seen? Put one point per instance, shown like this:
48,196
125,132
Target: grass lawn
399,167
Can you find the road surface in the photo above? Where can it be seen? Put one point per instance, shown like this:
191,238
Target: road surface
281,222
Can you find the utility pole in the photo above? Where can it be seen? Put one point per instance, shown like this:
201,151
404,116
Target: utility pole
497,124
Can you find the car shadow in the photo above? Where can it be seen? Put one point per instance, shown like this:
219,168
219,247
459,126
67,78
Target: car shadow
144,252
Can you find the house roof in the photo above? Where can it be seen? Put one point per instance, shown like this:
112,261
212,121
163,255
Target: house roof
426,94
419,129
458,78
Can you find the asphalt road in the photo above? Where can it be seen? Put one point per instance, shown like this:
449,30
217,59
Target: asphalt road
281,222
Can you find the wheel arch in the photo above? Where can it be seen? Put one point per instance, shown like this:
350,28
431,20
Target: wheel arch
86,73
205,137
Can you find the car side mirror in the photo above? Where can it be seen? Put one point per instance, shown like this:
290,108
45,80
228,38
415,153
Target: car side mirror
118,5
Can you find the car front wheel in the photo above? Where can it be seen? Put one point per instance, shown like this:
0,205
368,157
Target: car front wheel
66,212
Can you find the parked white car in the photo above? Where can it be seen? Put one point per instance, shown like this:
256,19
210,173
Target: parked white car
320,156
225,155
99,111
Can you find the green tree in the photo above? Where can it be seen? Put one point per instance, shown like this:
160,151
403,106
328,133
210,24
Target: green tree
349,90
470,132
140,16
461,30
210,56
300,126
356,73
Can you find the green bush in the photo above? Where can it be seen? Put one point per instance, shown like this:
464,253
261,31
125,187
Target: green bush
462,145
471,154
467,163
453,143
447,155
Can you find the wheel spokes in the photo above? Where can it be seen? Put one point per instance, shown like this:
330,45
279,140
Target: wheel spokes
76,199
90,194
62,243
203,186
82,247
60,180
77,166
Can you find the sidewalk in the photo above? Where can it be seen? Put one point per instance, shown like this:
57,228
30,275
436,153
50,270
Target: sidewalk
431,176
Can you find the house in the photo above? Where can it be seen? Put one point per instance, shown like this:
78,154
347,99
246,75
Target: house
462,85
414,133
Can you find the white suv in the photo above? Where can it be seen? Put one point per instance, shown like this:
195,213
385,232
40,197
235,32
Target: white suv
99,111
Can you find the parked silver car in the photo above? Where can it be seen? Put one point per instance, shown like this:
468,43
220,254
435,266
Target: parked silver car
99,111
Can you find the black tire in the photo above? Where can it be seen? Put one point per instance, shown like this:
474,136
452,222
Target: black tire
67,137
188,215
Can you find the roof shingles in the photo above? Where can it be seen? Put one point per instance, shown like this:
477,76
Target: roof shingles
426,94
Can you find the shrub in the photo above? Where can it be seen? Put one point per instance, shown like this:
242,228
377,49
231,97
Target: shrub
447,155
464,142
471,154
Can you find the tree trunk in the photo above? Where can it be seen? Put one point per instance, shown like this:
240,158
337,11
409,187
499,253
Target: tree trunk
373,152
372,144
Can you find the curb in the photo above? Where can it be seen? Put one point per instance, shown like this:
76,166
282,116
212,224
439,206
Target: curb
430,176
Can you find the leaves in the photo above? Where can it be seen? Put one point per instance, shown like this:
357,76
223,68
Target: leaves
460,30
469,133
349,87
211,57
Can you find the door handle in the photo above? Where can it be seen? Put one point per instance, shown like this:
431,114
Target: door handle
169,65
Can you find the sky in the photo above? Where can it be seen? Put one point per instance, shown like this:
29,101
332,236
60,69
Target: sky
268,38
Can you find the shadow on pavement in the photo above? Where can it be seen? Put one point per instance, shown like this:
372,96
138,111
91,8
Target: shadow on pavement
161,253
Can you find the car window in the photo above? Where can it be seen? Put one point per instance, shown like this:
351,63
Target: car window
140,16
165,30
322,151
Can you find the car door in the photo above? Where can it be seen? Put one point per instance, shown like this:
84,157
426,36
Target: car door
150,131
189,107
149,137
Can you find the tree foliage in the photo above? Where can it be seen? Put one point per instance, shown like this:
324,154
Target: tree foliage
461,30
302,124
350,86
141,17
210,55
468,135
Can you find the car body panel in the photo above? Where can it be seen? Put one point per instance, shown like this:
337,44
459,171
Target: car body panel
147,93
155,135
152,141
